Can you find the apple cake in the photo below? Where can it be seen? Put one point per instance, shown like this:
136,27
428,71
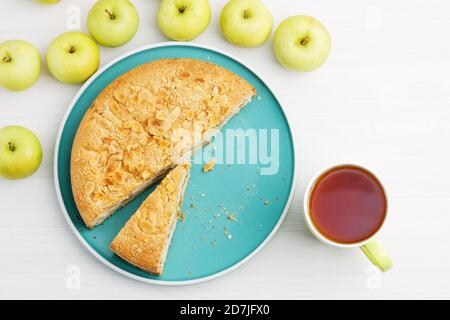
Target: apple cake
146,237
143,124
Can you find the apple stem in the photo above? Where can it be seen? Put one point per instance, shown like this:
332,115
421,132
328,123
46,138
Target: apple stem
304,41
111,16
182,9
11,147
245,14
6,59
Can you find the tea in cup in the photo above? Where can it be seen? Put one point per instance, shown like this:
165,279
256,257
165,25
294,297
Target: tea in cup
346,206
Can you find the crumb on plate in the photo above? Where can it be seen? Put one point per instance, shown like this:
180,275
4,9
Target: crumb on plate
209,166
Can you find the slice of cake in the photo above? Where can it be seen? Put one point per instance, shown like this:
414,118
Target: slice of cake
146,237
143,124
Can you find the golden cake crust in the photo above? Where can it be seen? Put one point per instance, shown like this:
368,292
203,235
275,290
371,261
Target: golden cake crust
136,129
145,238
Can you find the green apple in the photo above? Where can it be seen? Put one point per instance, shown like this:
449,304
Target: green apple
20,65
183,20
48,1
112,23
73,57
20,152
246,23
302,43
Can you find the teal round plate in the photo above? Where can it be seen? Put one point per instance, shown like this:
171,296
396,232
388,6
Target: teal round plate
230,213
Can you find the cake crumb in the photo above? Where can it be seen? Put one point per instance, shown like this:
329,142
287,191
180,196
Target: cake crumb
209,166
227,233
266,202
232,217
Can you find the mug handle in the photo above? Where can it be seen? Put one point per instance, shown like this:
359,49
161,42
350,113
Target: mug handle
376,253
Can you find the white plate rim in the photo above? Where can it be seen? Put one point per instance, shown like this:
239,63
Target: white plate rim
84,242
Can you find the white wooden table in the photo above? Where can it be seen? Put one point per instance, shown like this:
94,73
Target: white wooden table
382,99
